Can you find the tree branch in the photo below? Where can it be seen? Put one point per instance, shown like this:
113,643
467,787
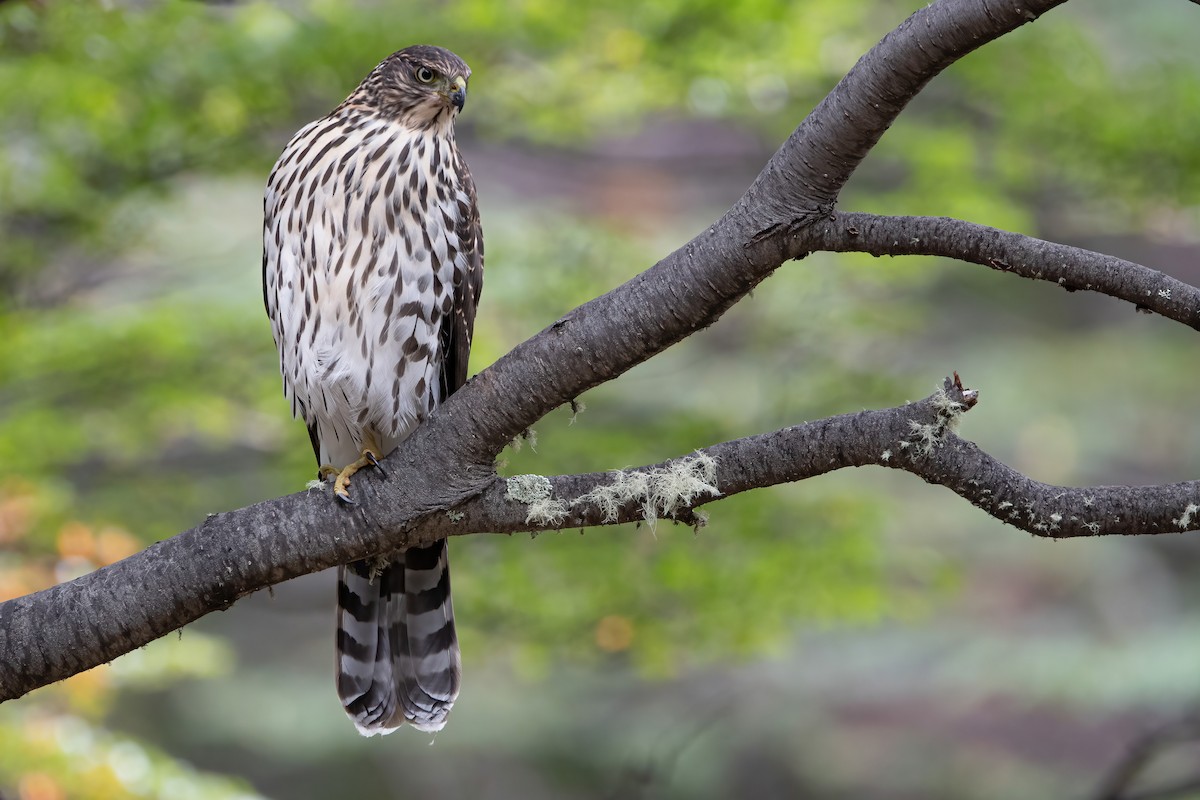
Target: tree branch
1072,268
693,286
55,633
918,438
1118,782
807,174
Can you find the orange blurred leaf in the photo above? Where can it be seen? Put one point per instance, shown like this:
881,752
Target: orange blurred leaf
39,786
76,539
614,633
113,544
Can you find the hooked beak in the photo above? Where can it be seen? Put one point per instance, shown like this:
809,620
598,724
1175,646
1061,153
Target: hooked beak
458,93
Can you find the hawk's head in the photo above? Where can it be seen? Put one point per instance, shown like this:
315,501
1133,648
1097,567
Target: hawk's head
419,86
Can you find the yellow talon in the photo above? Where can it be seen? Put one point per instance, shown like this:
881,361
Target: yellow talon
367,459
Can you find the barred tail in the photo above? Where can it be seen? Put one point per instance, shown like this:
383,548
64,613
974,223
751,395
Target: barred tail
397,650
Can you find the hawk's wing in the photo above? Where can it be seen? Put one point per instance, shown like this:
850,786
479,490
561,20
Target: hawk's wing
459,327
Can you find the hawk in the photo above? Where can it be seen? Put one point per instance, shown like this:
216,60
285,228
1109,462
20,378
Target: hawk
372,269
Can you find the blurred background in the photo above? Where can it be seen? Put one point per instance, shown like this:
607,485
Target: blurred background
857,635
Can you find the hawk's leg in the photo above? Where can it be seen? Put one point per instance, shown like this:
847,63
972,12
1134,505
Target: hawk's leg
341,482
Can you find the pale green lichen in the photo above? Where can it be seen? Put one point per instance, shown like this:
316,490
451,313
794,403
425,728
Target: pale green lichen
527,435
926,437
947,409
455,516
660,492
1188,515
536,492
577,408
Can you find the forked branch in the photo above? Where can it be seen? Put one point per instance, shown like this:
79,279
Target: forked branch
918,438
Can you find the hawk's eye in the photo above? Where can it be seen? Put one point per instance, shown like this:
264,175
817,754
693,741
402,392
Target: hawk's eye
424,74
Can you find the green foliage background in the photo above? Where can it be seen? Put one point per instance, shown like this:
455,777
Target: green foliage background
139,391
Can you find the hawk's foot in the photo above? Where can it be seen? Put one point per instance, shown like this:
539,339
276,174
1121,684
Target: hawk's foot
342,481
370,456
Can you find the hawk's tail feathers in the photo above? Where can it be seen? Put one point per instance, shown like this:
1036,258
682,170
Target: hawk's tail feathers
397,650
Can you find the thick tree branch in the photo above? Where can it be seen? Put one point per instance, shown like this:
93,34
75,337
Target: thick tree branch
690,288
805,177
1072,268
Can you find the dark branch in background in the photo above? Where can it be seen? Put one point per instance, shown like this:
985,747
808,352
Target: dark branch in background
1179,790
1118,783
442,481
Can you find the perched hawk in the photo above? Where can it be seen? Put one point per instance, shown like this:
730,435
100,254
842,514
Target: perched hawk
372,268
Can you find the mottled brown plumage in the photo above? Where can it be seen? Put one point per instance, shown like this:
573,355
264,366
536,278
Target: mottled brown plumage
372,269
